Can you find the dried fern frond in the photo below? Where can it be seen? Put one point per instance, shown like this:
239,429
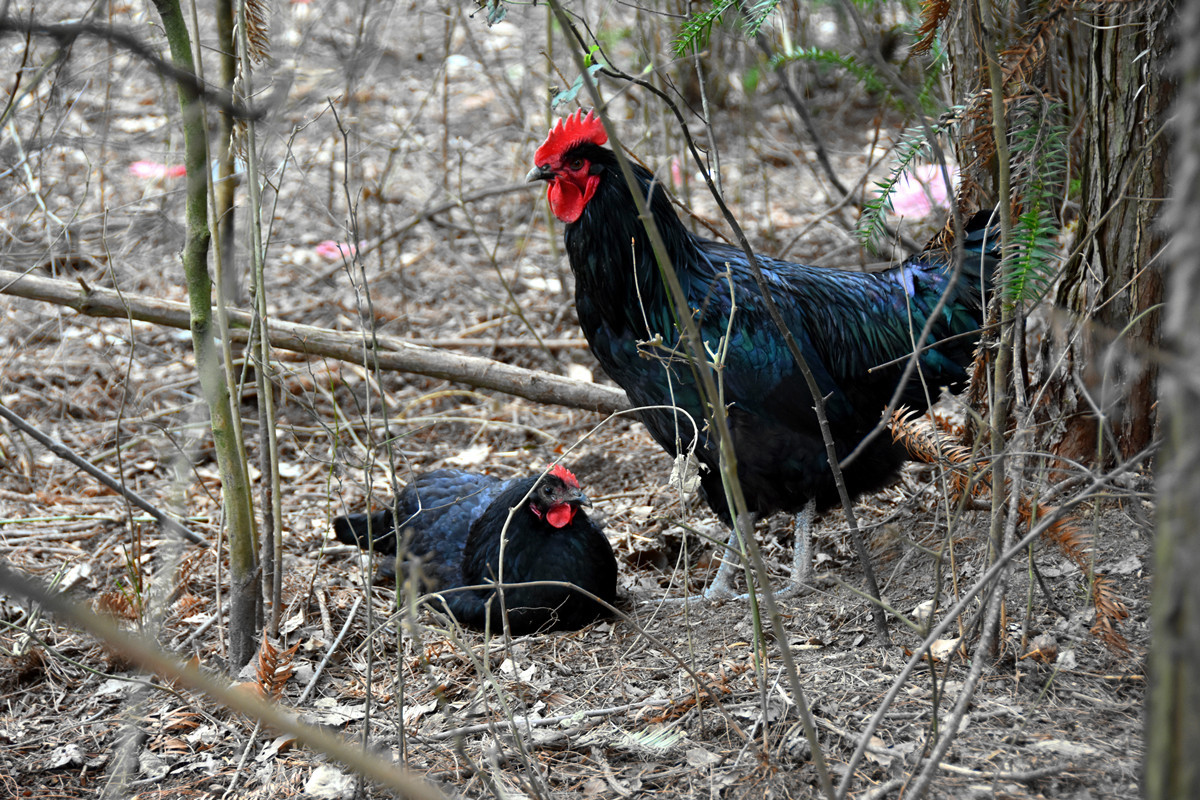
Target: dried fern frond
274,668
1074,542
921,438
188,604
117,605
945,425
924,443
978,140
1031,47
1018,64
254,22
933,14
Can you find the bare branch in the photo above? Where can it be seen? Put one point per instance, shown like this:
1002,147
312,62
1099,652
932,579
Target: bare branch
66,33
393,353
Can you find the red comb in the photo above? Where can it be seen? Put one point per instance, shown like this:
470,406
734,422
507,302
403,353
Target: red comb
568,132
564,474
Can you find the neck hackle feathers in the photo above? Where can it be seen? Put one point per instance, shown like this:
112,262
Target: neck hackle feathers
570,131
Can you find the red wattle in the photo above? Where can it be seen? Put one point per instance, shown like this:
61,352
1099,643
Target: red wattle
567,199
564,200
560,515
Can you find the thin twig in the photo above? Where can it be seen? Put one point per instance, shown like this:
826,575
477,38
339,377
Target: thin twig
59,449
483,727
329,651
67,32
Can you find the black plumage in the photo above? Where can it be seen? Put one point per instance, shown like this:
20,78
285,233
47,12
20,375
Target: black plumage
845,323
448,525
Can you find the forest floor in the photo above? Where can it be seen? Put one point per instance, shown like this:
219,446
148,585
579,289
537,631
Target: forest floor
403,112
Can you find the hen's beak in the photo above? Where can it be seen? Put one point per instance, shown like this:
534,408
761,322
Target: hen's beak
539,174
576,497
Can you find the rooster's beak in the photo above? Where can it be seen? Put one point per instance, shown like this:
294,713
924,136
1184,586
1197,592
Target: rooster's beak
539,174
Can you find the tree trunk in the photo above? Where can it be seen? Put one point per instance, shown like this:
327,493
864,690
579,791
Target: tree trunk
1101,389
1173,706
1091,384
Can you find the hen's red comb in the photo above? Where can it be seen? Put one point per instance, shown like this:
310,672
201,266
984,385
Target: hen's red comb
568,132
564,474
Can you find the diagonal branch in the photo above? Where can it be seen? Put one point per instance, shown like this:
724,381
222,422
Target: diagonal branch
62,451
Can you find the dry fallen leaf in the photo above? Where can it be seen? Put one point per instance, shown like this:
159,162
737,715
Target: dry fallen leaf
943,648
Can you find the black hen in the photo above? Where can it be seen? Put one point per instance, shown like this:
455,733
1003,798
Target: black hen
449,526
845,323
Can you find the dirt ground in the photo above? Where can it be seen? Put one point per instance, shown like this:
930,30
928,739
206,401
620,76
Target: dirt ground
383,113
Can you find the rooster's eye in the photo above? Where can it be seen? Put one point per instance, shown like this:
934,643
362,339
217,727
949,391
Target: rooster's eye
576,164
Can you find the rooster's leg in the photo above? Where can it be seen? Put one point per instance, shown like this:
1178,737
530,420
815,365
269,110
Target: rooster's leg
801,582
802,552
722,586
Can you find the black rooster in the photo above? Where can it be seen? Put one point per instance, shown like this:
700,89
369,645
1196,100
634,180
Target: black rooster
448,526
845,324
